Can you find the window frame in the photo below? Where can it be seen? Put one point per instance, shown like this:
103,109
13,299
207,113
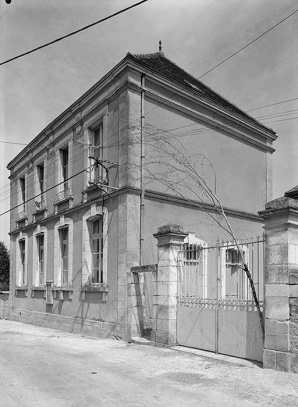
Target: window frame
243,293
21,260
96,151
64,161
41,263
22,192
192,255
41,180
64,243
97,237
62,223
91,214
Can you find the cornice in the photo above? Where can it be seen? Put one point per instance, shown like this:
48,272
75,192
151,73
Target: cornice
159,196
210,122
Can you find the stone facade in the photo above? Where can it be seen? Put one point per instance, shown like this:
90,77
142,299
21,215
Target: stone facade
165,298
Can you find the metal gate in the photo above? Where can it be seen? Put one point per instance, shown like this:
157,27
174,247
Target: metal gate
216,310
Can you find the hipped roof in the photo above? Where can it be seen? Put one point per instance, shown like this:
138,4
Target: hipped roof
164,66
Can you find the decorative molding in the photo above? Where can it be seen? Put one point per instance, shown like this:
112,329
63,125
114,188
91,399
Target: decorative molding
227,305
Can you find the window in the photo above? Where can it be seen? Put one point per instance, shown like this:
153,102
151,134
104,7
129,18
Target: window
64,167
40,255
95,247
193,271
22,193
233,278
40,180
22,247
97,252
96,151
233,257
64,254
191,252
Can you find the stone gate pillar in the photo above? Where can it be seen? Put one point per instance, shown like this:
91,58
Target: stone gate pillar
165,293
281,285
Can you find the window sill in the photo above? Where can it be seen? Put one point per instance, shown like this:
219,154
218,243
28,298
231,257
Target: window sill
21,288
38,288
95,288
39,210
58,292
58,202
62,288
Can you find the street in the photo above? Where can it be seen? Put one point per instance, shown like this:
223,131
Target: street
45,367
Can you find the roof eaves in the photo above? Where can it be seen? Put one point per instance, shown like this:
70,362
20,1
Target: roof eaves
242,114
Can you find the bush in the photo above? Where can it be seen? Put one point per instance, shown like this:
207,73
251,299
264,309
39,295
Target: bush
4,268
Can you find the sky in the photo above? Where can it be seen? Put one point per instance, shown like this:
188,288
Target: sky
196,35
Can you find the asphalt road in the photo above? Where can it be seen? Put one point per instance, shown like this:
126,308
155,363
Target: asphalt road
44,367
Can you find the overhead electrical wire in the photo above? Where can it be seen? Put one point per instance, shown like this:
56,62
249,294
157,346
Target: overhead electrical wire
49,189
247,45
121,11
11,142
73,33
4,190
31,182
75,157
272,104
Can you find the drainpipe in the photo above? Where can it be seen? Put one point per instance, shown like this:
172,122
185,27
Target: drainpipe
141,170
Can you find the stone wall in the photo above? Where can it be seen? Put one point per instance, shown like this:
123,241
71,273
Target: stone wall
4,304
281,285
98,329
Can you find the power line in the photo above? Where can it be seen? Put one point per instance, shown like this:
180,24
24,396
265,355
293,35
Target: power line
73,33
251,42
11,142
272,104
282,120
49,189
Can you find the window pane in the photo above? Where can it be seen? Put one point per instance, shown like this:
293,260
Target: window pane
95,245
64,163
64,263
64,254
64,234
65,277
23,261
95,227
96,261
40,170
22,190
40,254
41,273
96,137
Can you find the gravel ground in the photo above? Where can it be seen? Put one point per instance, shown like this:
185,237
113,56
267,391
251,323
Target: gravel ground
45,367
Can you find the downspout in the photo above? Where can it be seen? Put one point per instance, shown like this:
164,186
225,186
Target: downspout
141,171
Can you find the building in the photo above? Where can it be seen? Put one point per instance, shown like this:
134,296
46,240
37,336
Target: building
89,191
